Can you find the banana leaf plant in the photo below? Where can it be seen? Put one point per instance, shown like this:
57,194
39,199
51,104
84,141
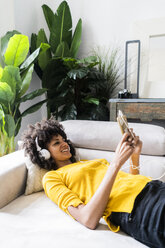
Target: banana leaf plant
76,89
16,69
63,42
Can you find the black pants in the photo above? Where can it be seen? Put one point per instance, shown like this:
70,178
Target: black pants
146,222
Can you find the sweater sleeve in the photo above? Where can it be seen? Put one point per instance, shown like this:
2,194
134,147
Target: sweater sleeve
58,192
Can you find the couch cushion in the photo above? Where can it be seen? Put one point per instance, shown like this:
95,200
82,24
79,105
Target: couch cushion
104,135
35,221
150,166
34,177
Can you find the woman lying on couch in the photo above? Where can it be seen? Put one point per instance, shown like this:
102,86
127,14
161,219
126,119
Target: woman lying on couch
89,190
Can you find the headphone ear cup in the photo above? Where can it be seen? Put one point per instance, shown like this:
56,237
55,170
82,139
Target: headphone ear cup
45,154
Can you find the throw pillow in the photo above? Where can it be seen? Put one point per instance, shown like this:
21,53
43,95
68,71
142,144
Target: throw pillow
34,177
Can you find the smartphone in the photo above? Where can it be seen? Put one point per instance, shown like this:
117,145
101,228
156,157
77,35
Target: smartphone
123,124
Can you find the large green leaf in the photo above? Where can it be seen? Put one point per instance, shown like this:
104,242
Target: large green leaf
30,59
33,43
76,41
43,48
78,73
9,125
17,50
5,39
90,61
62,27
3,45
26,81
33,108
53,74
49,16
11,76
32,49
41,37
45,55
33,94
6,94
62,50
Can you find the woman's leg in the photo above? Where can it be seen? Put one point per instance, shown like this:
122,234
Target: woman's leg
146,223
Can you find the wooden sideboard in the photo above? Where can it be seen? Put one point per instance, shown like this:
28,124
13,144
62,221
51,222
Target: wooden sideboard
146,109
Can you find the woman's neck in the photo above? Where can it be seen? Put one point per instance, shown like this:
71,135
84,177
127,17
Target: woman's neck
63,163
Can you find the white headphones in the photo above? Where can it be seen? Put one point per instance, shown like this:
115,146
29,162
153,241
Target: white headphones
43,152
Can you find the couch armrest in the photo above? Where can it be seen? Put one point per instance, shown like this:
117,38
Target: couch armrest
12,176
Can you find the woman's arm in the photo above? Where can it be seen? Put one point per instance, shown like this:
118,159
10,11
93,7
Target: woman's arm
135,157
134,164
90,214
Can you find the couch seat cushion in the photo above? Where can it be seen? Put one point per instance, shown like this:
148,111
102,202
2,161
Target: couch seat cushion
34,221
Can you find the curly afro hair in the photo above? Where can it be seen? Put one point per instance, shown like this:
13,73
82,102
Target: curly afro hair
44,131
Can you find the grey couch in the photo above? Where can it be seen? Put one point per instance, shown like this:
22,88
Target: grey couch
34,221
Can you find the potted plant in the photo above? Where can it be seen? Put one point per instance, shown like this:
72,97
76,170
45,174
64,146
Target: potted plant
15,76
76,89
69,95
62,40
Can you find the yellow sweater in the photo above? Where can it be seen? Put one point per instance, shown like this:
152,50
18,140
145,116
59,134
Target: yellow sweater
76,183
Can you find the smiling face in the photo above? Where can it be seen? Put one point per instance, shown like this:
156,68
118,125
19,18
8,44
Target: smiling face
60,151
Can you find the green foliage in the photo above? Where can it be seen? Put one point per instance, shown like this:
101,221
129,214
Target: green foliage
15,77
61,40
4,43
75,89
6,94
7,129
76,40
61,30
17,50
111,66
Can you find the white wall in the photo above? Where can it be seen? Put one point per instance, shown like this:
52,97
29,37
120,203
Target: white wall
105,23
6,16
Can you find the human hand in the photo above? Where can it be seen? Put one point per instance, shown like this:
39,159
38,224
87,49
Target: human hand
124,150
136,143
